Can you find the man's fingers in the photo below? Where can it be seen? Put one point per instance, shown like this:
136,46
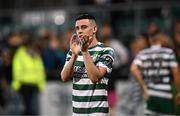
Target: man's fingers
85,39
73,37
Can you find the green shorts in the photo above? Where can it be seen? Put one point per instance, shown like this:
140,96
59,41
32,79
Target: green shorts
176,107
160,105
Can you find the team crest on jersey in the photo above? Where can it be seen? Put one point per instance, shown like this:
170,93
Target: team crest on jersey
95,56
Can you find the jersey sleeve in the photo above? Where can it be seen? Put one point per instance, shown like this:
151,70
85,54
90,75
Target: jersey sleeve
106,59
173,60
68,56
138,60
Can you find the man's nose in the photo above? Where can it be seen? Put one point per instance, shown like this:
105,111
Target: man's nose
80,31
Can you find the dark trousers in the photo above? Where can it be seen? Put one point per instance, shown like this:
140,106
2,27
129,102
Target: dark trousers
30,97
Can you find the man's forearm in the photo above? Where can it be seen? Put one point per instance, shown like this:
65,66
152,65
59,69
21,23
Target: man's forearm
136,73
68,69
176,78
93,73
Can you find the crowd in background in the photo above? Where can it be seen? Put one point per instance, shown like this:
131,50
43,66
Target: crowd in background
45,52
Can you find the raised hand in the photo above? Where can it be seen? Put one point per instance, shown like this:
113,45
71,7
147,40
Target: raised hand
75,45
85,42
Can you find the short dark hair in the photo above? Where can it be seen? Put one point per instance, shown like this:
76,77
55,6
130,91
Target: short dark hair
85,16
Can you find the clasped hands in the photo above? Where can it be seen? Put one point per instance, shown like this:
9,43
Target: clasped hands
78,44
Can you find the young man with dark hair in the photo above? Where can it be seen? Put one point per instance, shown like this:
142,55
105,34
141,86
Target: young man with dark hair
89,63
156,69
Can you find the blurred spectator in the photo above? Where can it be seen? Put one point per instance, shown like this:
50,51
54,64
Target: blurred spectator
121,52
5,66
120,61
176,43
57,46
29,74
44,35
135,96
5,75
53,57
14,40
67,37
10,103
166,41
152,27
139,43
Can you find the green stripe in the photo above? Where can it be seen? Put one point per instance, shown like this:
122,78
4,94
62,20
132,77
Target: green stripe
99,45
69,53
89,98
102,45
79,63
90,110
89,87
106,51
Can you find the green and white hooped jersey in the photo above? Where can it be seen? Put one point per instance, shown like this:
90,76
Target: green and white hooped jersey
87,97
156,63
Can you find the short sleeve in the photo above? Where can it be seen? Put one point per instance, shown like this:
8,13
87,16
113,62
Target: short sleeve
173,60
106,59
137,60
68,56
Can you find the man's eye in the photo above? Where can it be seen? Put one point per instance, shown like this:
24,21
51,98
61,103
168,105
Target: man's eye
84,27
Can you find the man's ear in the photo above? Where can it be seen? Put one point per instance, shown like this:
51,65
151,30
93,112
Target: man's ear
95,29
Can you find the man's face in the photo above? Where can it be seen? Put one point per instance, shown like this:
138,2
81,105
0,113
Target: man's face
85,27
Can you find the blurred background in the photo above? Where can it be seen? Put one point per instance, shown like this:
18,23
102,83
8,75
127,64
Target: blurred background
44,27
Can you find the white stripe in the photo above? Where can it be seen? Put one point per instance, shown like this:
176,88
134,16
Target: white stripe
83,81
165,64
164,72
104,56
90,104
166,79
88,81
154,55
160,94
68,55
98,48
104,66
98,114
166,56
89,92
147,111
153,72
92,114
80,58
160,86
137,62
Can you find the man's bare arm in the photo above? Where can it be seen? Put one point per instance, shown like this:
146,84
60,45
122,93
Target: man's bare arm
176,76
94,73
136,73
68,69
